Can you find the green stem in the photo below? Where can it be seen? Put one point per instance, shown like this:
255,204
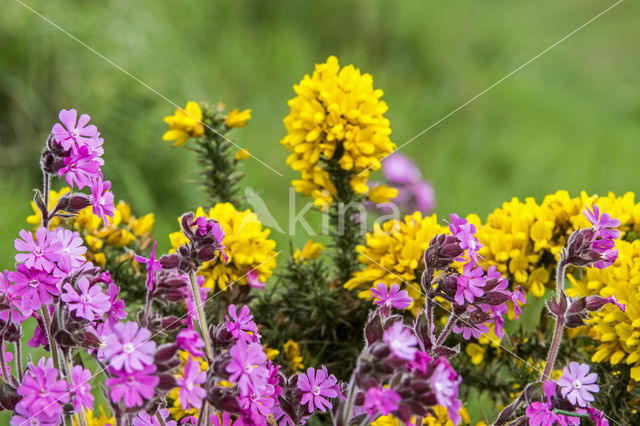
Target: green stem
81,417
201,316
52,344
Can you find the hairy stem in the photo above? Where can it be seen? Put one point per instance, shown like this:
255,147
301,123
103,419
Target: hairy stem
5,374
18,348
52,344
201,316
351,396
553,350
447,330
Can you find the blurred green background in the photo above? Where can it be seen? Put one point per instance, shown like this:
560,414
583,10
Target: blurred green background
570,120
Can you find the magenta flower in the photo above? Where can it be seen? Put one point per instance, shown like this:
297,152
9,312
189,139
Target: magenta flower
81,389
602,224
189,340
74,134
241,325
11,302
72,250
597,416
152,266
542,413
470,283
379,400
425,196
401,341
41,253
577,385
220,420
257,405
116,312
144,419
394,297
192,310
22,417
129,348
465,233
33,287
41,391
253,279
399,169
90,304
81,168
133,388
316,386
39,337
445,382
518,298
102,199
191,393
247,366
467,329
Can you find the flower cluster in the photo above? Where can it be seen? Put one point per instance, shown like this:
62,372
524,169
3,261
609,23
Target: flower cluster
393,255
336,117
251,255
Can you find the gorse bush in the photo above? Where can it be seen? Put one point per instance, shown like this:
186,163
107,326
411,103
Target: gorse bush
397,325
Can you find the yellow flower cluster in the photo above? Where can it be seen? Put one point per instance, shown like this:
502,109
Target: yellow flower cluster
524,239
185,123
440,418
617,332
310,251
292,354
336,112
122,231
393,254
245,242
237,118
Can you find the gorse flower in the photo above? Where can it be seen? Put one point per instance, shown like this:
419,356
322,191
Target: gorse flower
237,118
185,123
577,385
336,110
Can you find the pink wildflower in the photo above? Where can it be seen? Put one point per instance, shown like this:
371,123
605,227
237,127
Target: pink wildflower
90,304
129,347
394,297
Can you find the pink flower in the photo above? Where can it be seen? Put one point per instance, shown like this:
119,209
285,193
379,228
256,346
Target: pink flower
597,416
81,389
247,366
81,168
72,250
257,405
144,419
41,253
399,169
102,199
191,393
39,337
41,391
152,266
134,388
11,302
73,135
22,416
542,414
465,233
253,278
445,382
518,298
425,196
116,312
576,384
189,340
601,223
379,400
470,283
220,420
33,287
129,348
394,297
241,325
401,341
90,304
316,386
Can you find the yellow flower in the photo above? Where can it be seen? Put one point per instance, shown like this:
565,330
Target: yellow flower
441,417
382,194
393,254
310,251
101,420
242,154
245,242
335,108
292,353
36,218
185,123
271,352
238,118
475,352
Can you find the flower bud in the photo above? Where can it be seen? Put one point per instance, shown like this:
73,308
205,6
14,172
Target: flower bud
77,202
169,261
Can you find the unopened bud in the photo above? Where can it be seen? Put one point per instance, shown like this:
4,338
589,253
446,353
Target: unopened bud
78,202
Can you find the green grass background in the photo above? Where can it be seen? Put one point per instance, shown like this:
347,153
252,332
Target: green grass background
569,120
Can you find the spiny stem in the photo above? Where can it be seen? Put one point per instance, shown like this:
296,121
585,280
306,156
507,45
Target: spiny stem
201,316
